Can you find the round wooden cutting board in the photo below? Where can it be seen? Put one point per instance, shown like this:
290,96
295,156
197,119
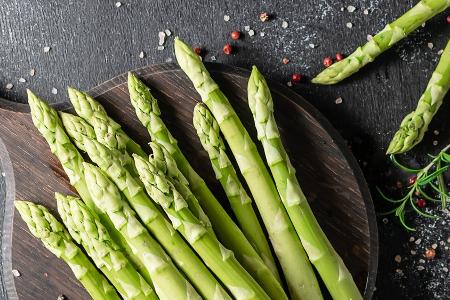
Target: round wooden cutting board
327,171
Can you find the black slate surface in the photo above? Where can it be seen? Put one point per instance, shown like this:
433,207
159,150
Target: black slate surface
93,41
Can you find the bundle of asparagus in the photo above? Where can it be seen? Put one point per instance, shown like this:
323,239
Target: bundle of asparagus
151,225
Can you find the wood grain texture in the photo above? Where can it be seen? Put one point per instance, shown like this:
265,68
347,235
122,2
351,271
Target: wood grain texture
330,177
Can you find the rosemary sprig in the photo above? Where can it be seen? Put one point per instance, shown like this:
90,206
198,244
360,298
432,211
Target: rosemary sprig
431,177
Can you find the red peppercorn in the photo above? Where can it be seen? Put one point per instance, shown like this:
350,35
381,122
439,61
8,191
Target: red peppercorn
327,61
235,35
339,56
412,180
421,203
448,19
264,17
430,253
296,77
198,50
227,49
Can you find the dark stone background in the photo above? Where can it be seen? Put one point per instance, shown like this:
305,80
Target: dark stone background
93,41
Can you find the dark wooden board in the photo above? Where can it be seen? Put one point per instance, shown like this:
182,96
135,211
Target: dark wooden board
328,173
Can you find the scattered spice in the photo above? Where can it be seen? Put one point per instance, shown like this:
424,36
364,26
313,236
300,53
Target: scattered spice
32,72
296,77
285,60
430,253
338,100
251,32
430,45
421,203
235,35
118,4
141,54
226,18
448,19
264,17
284,24
398,259
9,86
227,49
349,25
46,49
22,80
15,273
161,37
327,61
412,179
351,8
54,91
339,56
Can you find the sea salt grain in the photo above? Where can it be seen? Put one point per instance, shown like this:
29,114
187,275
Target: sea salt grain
46,49
160,48
168,32
54,91
141,54
435,143
32,72
262,34
289,83
440,52
430,45
22,80
421,261
418,241
118,4
366,12
226,18
349,25
338,100
351,8
15,273
436,132
434,246
284,24
213,58
161,37
413,252
247,28
369,37
251,32
9,86
411,239
312,46
445,269
420,268
385,220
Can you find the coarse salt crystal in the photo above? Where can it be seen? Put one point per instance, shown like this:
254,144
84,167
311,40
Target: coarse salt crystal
420,268
54,91
168,32
3,174
15,273
160,48
349,25
141,54
32,72
441,243
226,18
262,34
338,100
289,83
369,37
418,241
46,49
411,239
284,24
161,37
247,28
366,12
398,258
399,271
430,45
22,80
213,58
413,252
169,59
385,220
421,261
434,246
9,86
445,269
118,4
440,52
436,132
311,46
342,8
251,32
435,143
424,24
351,8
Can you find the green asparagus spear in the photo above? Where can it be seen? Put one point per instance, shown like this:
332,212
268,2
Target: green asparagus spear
167,164
43,225
415,124
78,129
87,230
391,34
108,132
168,281
154,220
49,125
228,232
330,266
219,259
209,133
298,272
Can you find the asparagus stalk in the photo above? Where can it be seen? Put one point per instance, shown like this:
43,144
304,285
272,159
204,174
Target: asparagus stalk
167,164
298,272
209,133
108,132
228,232
49,125
415,124
78,129
43,225
219,259
87,230
154,220
328,263
168,281
391,34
